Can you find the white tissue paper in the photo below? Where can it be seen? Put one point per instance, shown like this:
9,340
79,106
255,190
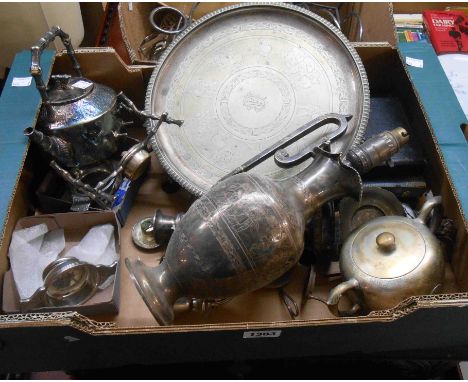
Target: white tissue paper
31,250
97,247
33,235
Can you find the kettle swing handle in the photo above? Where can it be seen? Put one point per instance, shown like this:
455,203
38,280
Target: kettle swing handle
335,296
36,52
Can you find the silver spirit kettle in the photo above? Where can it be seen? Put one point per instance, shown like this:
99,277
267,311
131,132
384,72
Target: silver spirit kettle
78,122
388,260
80,126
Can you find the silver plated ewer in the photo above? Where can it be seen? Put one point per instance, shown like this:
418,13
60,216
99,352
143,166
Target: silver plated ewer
248,229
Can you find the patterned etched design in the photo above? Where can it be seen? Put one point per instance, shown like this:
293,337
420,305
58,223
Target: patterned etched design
255,103
245,80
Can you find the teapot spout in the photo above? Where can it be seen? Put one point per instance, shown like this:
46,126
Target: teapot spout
58,148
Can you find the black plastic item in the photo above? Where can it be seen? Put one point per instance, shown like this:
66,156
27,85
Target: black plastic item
404,188
52,195
322,238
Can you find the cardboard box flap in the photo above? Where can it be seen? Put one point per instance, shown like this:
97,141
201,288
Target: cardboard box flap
377,22
19,108
435,92
443,112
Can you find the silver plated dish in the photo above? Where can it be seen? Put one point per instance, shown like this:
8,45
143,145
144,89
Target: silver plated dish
242,78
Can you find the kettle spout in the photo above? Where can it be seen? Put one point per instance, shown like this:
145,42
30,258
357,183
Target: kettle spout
57,147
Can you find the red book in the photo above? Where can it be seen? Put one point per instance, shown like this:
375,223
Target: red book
447,30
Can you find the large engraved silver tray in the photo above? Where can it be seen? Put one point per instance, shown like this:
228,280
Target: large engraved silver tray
244,77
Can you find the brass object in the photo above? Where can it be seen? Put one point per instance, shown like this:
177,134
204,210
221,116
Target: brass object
388,260
68,282
246,232
245,76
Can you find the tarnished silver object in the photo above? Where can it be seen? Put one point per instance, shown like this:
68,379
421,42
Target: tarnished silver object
181,23
153,232
282,158
375,202
186,305
80,126
102,199
369,155
167,22
382,200
68,282
388,260
246,232
143,234
78,116
245,76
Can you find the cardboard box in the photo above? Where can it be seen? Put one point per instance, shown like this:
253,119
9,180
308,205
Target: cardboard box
75,226
135,26
423,326
436,97
377,18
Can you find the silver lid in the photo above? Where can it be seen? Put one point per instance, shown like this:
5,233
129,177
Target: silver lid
389,247
75,101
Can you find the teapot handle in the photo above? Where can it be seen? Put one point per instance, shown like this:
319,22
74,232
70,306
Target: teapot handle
427,207
335,296
36,52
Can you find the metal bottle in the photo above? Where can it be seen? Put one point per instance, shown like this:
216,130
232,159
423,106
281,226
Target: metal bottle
248,230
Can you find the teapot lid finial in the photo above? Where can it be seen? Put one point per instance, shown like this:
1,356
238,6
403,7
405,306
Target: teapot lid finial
386,242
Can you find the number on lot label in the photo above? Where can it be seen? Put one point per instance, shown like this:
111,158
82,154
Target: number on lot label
262,334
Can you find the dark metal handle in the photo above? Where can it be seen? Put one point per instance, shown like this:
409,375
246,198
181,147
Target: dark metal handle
276,149
36,52
283,159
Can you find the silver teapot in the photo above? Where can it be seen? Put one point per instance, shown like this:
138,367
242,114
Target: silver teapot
388,260
248,230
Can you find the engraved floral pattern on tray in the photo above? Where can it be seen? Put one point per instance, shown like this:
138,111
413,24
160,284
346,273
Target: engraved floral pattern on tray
242,87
